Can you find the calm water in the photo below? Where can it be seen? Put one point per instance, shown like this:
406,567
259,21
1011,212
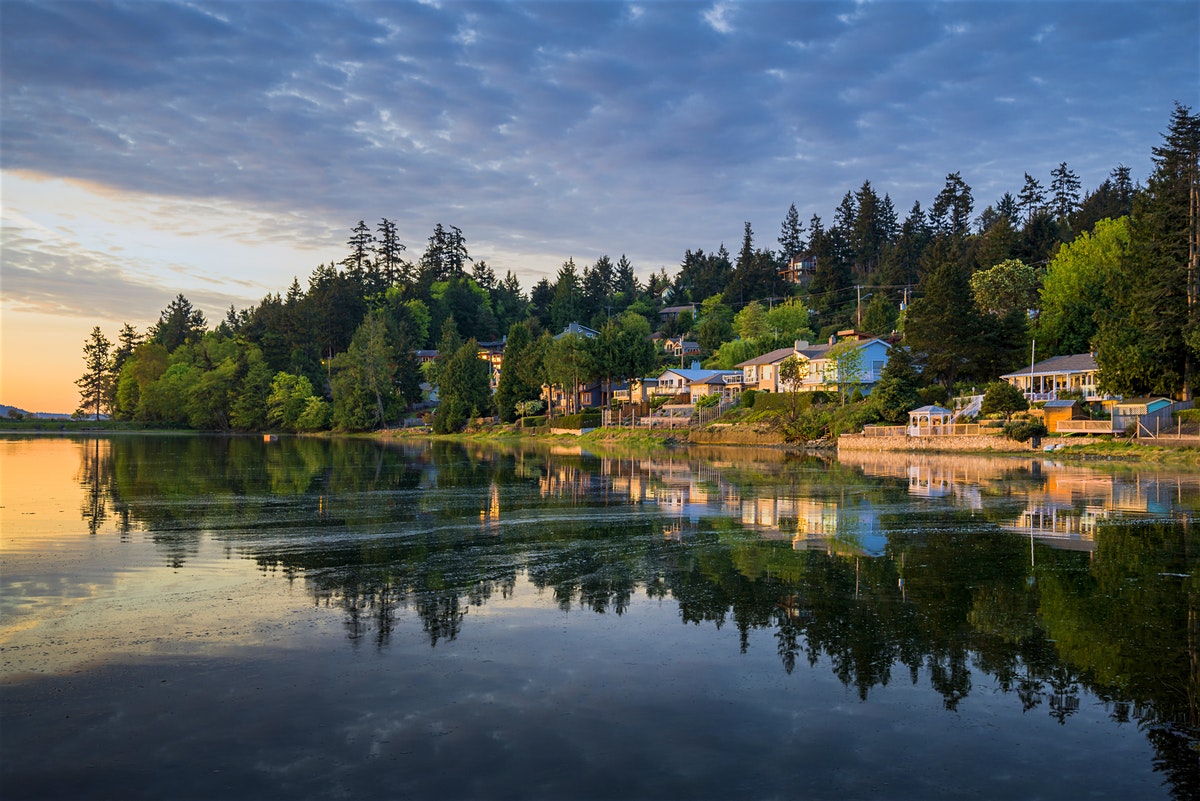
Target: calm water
201,617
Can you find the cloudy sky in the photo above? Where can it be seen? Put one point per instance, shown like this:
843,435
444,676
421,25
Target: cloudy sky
220,148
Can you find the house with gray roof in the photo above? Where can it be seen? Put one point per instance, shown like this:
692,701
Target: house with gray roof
1044,380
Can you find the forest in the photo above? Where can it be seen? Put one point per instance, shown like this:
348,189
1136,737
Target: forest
963,293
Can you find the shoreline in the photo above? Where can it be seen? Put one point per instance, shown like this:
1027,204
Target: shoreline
1169,452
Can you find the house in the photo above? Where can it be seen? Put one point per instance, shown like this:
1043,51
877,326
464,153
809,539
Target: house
762,372
493,354
800,269
673,312
1045,379
579,330
680,347
726,383
639,390
823,371
678,381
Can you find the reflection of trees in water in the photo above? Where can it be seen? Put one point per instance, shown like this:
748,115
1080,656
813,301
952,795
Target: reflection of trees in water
383,532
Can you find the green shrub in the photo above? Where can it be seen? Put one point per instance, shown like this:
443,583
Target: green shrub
1024,430
578,421
748,398
535,421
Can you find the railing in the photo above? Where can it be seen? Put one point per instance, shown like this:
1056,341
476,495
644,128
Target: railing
1085,427
885,431
952,430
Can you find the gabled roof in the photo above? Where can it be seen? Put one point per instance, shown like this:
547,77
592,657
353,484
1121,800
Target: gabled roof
768,358
578,330
693,376
1075,363
931,409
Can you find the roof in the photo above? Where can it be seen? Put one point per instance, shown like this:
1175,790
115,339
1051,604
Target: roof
1157,403
719,377
1076,363
580,330
1060,404
931,409
768,358
693,376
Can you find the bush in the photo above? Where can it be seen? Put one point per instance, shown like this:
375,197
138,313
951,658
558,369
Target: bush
1001,397
704,401
533,421
578,421
1024,430
748,398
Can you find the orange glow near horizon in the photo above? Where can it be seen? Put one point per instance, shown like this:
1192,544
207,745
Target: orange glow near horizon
41,355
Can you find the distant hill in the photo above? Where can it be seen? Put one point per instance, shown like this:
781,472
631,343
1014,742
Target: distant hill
12,411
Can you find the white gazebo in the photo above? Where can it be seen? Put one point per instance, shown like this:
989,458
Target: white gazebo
930,420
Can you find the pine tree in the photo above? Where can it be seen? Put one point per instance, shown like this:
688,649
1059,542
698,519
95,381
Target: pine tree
1149,340
388,247
791,235
1064,185
95,384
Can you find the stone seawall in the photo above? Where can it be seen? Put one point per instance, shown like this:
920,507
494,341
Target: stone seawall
996,444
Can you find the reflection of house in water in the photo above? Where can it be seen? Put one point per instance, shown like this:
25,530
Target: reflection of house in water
1063,504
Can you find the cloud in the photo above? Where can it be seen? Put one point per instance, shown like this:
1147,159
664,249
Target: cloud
586,127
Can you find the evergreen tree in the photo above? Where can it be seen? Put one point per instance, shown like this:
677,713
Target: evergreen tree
567,305
1149,339
508,302
625,281
1032,199
897,392
1064,185
483,275
95,383
178,324
869,235
901,267
942,327
791,235
393,269
540,300
363,384
515,385
359,259
464,389
951,209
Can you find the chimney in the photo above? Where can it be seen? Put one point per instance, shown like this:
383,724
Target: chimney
695,365
801,344
833,339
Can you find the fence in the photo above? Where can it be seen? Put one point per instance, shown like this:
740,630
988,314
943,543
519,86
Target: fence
948,430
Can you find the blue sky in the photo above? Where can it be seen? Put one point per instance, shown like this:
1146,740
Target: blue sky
219,149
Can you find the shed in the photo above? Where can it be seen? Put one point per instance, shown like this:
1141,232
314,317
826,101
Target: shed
1056,411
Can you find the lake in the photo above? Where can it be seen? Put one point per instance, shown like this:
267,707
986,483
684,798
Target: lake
203,617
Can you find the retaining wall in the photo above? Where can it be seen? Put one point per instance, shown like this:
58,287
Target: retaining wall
858,442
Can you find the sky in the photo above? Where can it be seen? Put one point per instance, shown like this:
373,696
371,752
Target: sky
220,149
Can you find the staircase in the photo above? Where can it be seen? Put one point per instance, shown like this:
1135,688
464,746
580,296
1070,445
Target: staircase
975,403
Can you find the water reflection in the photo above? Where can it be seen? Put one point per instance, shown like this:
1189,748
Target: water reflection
1048,581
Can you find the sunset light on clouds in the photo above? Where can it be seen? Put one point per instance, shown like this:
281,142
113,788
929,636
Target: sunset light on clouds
219,149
